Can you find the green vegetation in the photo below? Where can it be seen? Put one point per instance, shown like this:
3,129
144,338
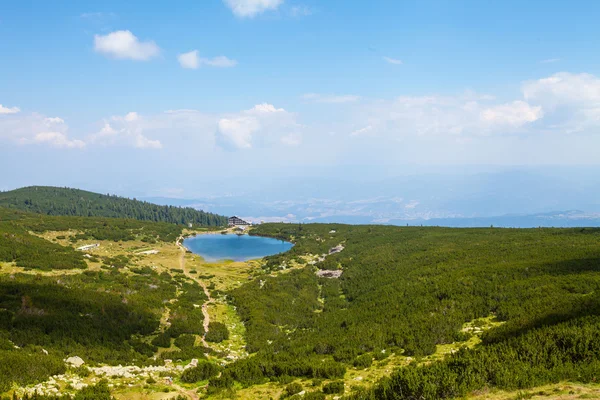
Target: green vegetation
74,202
217,332
292,389
99,391
509,360
408,290
335,387
405,292
205,370
30,251
99,316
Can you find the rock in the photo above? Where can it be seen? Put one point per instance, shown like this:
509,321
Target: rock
78,385
45,351
75,361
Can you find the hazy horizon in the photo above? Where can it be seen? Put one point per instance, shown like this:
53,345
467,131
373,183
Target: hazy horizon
462,109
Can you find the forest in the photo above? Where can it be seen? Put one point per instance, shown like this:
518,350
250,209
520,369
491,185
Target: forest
74,202
406,290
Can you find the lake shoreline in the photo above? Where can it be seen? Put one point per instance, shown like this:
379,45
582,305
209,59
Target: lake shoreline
216,247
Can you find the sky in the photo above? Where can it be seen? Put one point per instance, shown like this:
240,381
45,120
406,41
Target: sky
181,98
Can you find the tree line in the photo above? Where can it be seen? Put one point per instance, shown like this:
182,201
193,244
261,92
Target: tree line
74,202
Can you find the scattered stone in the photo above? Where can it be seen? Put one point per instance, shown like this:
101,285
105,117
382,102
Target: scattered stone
325,273
336,249
75,361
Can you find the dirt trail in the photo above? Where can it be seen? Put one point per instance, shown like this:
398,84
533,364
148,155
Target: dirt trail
201,283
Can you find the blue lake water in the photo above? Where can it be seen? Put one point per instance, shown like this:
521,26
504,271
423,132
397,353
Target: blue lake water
215,247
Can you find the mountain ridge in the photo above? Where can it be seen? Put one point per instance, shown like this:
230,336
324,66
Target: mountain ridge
51,200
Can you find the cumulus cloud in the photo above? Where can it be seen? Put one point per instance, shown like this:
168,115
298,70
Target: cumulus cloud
516,114
394,61
564,88
189,60
238,131
127,130
460,115
34,128
9,110
251,8
262,125
326,98
571,101
192,60
125,45
265,108
55,139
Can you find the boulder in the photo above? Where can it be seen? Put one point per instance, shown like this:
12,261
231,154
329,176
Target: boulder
75,361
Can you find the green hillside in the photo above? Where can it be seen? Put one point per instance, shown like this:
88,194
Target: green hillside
403,313
407,291
74,202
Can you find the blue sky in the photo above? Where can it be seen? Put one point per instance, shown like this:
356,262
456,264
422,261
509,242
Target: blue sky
123,92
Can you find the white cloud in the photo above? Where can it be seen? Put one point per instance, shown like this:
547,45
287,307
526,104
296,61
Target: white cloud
192,60
461,115
54,120
321,98
251,8
131,116
125,45
127,130
300,11
34,128
262,125
219,62
189,60
142,142
571,101
394,61
238,131
516,114
55,139
9,110
265,108
362,131
564,88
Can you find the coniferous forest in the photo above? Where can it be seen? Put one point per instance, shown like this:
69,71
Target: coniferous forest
406,290
74,202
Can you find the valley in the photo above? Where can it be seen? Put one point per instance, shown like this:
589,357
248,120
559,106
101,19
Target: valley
364,312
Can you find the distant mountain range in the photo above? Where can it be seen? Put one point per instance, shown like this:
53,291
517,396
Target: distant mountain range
519,198
74,202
